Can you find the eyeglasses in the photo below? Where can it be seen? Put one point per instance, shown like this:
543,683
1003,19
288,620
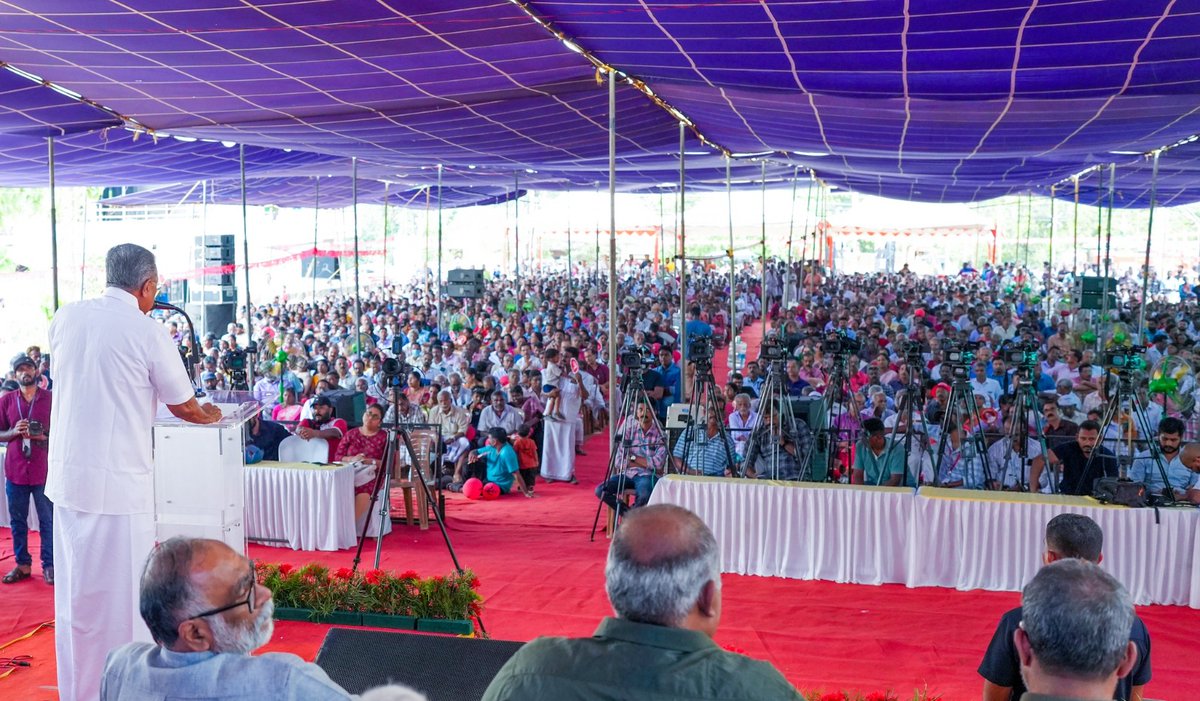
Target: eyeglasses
248,602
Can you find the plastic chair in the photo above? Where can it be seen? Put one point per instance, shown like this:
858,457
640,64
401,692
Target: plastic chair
296,449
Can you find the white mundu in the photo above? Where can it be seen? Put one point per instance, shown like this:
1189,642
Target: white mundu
113,364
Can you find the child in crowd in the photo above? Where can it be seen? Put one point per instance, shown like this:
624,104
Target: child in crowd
527,455
551,375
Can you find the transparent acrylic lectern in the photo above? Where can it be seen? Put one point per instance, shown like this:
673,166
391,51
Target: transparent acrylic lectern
198,490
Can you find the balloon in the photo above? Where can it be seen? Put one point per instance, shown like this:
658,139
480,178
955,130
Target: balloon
456,327
1036,299
1009,289
920,313
472,488
1119,338
528,306
491,491
1088,337
510,307
281,356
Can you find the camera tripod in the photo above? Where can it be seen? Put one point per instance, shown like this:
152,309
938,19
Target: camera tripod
961,403
774,405
706,397
1025,406
1126,395
838,395
911,410
633,396
397,433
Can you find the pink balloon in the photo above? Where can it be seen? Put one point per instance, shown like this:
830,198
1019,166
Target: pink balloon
491,491
472,488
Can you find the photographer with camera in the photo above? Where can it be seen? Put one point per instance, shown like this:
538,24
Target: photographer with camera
24,427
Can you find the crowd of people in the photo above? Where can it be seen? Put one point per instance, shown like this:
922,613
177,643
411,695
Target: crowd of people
517,379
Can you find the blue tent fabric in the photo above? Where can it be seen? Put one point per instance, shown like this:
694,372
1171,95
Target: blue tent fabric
918,99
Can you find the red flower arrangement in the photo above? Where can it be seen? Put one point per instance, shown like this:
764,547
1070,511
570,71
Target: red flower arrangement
316,587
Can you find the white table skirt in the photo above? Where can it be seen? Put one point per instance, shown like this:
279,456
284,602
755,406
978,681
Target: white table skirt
309,507
995,542
799,530
947,538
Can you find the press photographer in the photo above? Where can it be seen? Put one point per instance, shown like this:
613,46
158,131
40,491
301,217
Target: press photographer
25,428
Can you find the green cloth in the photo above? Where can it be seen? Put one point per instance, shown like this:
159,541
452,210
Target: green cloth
872,465
627,660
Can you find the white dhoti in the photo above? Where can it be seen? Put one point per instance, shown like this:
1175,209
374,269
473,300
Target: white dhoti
558,450
98,562
455,448
561,437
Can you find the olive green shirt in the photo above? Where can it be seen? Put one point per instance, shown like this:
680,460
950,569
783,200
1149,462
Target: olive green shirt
626,660
1030,696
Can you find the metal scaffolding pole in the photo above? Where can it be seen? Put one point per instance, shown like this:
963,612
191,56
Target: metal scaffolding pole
441,319
763,242
53,224
733,327
682,261
354,216
1149,238
612,257
246,259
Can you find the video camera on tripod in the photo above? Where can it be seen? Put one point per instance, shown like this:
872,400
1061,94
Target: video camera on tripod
913,355
959,356
700,350
635,358
1124,359
840,343
233,361
1022,355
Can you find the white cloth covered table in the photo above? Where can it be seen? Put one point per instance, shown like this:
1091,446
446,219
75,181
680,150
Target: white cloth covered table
310,507
994,541
937,537
800,530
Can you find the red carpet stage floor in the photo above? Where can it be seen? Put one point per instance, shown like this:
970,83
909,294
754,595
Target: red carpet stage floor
541,576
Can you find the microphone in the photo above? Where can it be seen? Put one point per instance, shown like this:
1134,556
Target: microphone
192,360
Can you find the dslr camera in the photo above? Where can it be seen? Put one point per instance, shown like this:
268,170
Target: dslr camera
840,343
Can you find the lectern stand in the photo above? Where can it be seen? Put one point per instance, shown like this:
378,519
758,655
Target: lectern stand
198,489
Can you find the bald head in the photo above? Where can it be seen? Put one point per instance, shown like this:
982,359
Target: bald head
664,569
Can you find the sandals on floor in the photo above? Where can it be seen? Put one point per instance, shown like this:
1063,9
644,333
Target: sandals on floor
16,575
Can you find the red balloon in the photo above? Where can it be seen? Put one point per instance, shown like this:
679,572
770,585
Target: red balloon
491,491
472,488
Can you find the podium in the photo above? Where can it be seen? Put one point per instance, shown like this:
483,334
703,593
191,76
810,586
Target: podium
198,476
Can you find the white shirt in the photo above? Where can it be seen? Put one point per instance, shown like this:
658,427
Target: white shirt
113,365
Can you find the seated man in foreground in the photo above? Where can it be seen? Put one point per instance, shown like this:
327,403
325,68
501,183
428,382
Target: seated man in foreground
207,613
1072,641
664,581
1068,537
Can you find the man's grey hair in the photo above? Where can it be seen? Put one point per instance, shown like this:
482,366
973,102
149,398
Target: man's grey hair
1078,618
663,591
128,266
166,594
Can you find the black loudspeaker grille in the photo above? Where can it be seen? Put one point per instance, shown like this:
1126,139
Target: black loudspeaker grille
443,668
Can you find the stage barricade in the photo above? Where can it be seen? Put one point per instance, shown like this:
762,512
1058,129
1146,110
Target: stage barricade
935,537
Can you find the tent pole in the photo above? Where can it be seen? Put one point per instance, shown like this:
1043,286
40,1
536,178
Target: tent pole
517,230
733,328
425,271
1099,218
354,217
83,248
53,223
204,242
612,257
596,268
787,273
1149,237
1051,254
1112,173
246,259
804,235
1028,225
1075,233
386,187
763,242
682,263
570,267
661,232
441,321
316,231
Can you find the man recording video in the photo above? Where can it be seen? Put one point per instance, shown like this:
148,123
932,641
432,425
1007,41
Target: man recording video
114,366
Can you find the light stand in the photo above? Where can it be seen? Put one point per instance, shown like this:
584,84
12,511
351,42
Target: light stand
960,403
